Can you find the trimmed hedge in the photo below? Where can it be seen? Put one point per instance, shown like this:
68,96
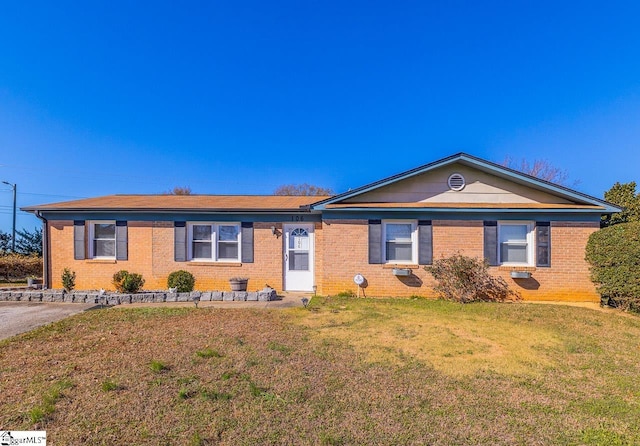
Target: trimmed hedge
614,255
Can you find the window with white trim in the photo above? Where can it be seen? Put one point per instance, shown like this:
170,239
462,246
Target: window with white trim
102,239
516,245
214,242
400,241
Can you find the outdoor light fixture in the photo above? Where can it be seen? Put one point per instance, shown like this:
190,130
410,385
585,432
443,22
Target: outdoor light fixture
273,230
13,230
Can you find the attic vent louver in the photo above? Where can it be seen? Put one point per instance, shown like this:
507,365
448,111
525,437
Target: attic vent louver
456,182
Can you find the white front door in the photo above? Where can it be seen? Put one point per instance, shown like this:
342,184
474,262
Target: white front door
298,257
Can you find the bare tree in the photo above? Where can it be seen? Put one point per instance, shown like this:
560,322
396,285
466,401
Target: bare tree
179,190
302,189
539,168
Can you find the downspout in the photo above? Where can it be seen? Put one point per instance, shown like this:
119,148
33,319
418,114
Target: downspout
45,250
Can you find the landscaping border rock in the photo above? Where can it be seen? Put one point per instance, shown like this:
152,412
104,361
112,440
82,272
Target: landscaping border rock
113,298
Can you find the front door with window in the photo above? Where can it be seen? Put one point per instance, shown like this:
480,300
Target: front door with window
298,257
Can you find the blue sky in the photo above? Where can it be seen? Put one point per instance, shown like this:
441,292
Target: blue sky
231,97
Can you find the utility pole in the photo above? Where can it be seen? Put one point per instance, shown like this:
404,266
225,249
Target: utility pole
13,231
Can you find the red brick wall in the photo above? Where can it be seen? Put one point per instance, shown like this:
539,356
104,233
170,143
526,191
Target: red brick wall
568,277
151,254
341,252
345,253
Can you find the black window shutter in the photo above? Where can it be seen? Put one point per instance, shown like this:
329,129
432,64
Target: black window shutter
78,240
375,241
425,242
121,240
543,243
491,242
180,241
247,242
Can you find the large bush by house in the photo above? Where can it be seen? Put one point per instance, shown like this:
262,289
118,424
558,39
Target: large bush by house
614,255
466,279
18,266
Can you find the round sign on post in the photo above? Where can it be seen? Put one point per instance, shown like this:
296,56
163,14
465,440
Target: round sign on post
359,280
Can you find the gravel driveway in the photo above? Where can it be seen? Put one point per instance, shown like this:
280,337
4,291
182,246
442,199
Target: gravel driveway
19,317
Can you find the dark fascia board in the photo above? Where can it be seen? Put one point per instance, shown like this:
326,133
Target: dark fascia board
306,209
136,215
483,165
355,208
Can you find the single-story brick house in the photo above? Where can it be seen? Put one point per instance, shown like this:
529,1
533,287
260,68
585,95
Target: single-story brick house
386,231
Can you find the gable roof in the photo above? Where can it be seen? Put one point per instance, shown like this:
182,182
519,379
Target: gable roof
580,201
184,203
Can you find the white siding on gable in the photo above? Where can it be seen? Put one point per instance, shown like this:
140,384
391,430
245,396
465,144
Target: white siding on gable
480,187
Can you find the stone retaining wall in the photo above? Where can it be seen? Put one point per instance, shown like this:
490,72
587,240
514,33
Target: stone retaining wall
27,295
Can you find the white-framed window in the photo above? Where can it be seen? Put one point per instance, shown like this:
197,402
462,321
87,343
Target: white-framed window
400,241
102,239
214,242
516,243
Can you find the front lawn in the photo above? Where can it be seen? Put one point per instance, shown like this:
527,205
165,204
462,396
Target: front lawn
343,371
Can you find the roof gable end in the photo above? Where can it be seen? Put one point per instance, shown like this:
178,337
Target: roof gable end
481,165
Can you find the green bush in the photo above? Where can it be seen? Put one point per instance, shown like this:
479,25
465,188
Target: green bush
126,282
118,280
465,279
182,280
68,279
614,256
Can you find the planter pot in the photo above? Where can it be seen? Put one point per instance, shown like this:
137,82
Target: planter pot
239,285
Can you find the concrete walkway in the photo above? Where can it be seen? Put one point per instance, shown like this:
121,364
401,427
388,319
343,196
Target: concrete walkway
20,317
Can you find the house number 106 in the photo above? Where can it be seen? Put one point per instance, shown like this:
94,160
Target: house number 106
297,218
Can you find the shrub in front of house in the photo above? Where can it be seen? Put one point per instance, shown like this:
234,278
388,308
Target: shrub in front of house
182,280
68,279
614,256
126,282
118,280
467,279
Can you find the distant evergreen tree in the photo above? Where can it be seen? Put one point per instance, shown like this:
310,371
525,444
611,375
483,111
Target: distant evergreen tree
28,242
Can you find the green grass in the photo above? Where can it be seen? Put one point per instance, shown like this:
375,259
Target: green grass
48,404
208,353
343,371
158,366
109,386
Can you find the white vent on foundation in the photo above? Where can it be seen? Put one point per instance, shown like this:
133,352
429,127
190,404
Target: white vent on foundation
456,182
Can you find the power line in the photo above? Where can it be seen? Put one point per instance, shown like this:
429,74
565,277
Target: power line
43,195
